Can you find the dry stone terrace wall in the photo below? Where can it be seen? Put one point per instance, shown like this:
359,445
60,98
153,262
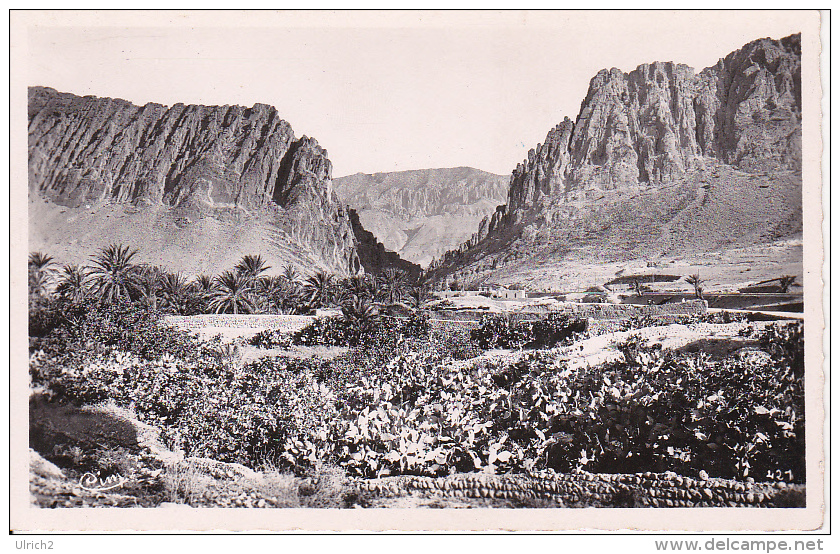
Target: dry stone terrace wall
653,490
591,311
288,323
618,311
603,318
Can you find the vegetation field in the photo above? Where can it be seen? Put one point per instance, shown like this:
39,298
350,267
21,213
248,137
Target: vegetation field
385,407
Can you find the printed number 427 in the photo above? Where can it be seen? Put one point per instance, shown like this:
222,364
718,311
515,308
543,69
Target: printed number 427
780,475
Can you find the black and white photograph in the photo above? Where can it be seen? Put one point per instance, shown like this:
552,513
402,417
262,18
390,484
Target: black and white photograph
497,268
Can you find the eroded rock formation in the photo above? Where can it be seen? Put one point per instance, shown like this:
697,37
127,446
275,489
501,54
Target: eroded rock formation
234,164
652,126
373,256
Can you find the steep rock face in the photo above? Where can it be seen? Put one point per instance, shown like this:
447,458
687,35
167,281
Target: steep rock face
658,121
373,256
749,106
657,125
225,162
637,126
422,213
101,148
544,169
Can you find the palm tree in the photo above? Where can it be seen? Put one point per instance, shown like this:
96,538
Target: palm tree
786,281
291,303
231,293
318,289
373,285
202,284
696,281
73,283
39,261
176,293
113,275
252,266
290,274
360,312
149,280
41,269
360,285
394,282
271,294
417,296
200,288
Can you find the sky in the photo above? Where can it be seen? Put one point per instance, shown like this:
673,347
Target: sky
383,91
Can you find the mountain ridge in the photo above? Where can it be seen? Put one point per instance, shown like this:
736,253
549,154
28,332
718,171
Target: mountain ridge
194,187
656,126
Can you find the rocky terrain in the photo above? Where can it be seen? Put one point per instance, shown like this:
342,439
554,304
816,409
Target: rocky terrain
373,255
662,166
423,213
193,187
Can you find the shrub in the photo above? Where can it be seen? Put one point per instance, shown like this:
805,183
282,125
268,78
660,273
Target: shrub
325,331
453,341
786,344
498,332
82,331
45,315
206,408
685,413
121,325
504,332
272,338
718,318
654,411
341,331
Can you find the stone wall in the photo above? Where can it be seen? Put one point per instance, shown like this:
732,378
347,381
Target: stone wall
288,323
622,311
591,311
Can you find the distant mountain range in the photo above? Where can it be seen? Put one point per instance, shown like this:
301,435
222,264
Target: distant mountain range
423,213
662,167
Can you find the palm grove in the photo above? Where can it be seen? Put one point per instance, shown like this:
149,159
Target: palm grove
114,274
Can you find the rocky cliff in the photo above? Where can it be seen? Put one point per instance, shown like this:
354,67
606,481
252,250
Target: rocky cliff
422,213
194,187
659,134
374,257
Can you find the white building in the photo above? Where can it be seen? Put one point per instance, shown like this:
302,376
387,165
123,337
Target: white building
508,294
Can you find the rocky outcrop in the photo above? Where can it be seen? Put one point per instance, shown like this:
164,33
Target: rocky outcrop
230,163
749,106
637,126
655,125
657,122
373,256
